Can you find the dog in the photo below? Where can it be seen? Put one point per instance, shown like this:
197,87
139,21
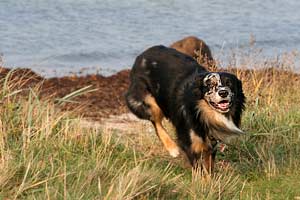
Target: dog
204,107
197,49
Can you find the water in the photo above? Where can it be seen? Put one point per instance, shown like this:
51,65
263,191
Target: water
61,36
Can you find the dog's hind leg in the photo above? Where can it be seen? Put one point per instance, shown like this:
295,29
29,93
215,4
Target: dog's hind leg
156,118
144,106
135,100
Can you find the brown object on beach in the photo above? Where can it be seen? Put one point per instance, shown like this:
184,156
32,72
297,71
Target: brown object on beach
197,49
107,99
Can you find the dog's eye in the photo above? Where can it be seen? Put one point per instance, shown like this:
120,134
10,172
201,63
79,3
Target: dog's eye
228,83
208,83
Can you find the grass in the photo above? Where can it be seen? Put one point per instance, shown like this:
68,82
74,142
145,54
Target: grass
48,154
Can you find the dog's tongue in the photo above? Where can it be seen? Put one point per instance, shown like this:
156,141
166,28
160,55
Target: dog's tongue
223,105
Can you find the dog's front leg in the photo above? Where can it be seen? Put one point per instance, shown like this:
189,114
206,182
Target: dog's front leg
201,153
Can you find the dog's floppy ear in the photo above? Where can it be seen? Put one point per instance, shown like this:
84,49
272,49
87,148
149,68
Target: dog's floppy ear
198,84
239,104
241,97
240,88
200,75
240,94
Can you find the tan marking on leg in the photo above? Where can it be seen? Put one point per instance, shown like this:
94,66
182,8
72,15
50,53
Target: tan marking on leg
156,112
208,161
197,143
204,151
157,117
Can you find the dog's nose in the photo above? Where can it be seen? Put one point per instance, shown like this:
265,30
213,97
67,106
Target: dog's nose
223,93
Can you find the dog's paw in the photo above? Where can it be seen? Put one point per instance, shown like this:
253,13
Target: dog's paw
174,152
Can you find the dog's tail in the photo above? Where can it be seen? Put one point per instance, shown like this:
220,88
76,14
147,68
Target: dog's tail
135,101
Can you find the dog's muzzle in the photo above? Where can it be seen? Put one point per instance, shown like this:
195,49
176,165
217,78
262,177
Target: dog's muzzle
221,99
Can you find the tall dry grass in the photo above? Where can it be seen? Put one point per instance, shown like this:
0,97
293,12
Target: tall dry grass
48,154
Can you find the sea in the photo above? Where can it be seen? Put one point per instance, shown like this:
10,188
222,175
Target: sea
62,37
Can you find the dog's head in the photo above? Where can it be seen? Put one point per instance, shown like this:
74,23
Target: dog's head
220,90
219,102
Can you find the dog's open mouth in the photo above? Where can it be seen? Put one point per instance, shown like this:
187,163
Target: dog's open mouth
223,105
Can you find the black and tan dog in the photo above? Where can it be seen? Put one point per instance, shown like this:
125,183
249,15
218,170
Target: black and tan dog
204,107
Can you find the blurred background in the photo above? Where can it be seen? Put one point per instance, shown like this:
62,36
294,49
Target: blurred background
59,37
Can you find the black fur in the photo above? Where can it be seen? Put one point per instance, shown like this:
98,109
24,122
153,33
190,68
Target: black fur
175,80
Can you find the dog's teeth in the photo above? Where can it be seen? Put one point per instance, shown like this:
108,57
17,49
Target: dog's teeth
174,152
